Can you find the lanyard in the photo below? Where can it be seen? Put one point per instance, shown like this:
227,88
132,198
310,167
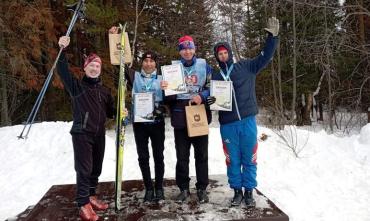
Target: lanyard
188,73
227,76
148,85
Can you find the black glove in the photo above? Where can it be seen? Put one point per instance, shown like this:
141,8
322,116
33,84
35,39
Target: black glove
211,100
159,112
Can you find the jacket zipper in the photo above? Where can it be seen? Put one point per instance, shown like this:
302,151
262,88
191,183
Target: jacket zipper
97,125
85,120
234,96
236,104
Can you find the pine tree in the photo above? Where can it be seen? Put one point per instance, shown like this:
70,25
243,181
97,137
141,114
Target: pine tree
178,18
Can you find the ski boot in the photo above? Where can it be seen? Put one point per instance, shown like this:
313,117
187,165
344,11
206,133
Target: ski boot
183,196
87,213
238,197
248,198
97,204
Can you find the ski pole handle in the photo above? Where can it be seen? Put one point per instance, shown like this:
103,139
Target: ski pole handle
78,12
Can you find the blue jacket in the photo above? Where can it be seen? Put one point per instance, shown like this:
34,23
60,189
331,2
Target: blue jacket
146,84
177,103
243,77
139,83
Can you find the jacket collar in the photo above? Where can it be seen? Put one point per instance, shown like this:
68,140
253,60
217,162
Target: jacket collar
189,64
91,81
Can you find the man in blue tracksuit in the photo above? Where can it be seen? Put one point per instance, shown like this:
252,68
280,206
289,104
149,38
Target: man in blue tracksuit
197,75
238,127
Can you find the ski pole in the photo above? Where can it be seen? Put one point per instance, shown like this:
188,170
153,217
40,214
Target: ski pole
78,9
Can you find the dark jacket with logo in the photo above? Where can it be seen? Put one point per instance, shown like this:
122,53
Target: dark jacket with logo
243,77
92,103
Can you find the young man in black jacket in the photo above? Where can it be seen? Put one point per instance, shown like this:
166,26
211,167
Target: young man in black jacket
92,103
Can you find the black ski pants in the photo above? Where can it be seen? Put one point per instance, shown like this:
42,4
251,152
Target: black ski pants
156,133
183,143
88,159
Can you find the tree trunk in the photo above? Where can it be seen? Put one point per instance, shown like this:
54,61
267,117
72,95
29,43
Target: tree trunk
273,68
321,113
361,23
328,74
308,109
137,16
299,111
330,100
135,30
233,33
5,119
294,63
278,101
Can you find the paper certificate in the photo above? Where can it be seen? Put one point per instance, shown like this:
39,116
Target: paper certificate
174,75
222,91
143,107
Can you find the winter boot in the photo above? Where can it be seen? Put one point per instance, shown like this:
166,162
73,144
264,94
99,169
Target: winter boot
202,196
183,196
87,213
238,197
248,198
98,204
159,194
149,196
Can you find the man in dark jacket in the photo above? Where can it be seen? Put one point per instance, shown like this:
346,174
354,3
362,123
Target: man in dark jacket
238,127
197,76
92,103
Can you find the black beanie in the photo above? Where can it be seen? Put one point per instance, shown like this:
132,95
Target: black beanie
149,54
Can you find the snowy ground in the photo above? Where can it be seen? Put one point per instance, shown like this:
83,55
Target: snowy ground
329,181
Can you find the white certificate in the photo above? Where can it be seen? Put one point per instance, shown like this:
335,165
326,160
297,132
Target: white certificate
174,75
143,107
222,91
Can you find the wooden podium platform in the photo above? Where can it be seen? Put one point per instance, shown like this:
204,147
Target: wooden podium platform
58,204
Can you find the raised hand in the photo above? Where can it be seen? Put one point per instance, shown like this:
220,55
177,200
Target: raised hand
113,30
64,41
273,26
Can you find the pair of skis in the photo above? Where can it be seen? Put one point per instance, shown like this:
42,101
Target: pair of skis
120,117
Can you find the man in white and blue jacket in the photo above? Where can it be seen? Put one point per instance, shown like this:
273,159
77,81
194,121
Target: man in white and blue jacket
238,127
197,76
148,81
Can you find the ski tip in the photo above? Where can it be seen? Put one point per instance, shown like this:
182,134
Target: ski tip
122,27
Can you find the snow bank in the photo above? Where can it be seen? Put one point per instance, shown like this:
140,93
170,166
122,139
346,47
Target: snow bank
330,180
365,135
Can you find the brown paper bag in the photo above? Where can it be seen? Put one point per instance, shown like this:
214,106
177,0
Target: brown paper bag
196,120
114,48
